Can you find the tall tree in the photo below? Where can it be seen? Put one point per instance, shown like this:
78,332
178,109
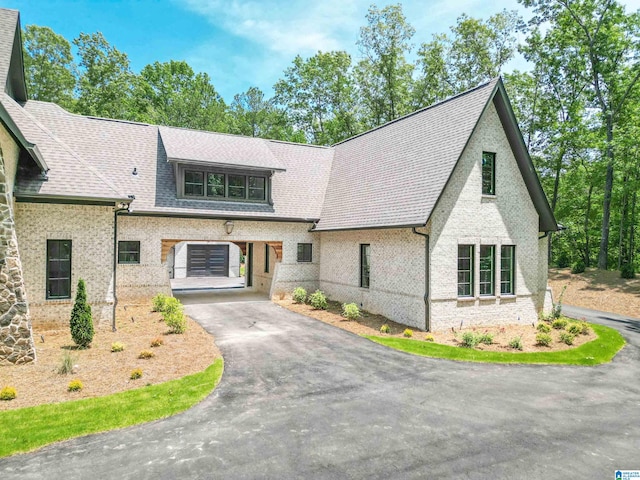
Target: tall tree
48,65
318,96
105,79
606,37
384,75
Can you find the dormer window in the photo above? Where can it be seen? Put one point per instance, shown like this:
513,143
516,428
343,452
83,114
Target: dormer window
198,183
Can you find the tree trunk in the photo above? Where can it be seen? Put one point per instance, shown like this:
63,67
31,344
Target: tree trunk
587,247
554,198
603,254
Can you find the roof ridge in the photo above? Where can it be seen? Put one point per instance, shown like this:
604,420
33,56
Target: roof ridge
423,109
91,117
65,147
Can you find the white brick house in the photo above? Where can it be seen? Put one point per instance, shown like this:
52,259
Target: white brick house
434,219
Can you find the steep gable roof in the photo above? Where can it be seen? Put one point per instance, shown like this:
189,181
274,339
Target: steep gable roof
394,175
11,61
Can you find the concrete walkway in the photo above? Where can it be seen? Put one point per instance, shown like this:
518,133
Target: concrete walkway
302,399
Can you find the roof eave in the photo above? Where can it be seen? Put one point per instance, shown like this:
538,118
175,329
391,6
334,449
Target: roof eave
206,163
31,148
368,227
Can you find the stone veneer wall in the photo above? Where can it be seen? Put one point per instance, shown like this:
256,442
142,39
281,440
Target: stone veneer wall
16,337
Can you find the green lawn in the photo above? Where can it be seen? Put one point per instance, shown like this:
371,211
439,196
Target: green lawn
600,350
30,428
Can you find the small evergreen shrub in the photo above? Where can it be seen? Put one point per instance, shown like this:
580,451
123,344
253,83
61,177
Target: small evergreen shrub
172,305
159,302
350,311
574,329
543,327
557,307
157,342
318,300
584,328
559,324
578,267
299,295
75,386
566,337
81,323
385,328
117,347
66,364
486,338
516,342
408,333
470,339
627,271
135,374
176,321
8,393
429,338
146,354
543,339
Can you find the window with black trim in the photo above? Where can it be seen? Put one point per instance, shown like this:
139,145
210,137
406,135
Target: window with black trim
58,269
128,251
507,269
213,185
305,252
465,270
365,265
488,173
487,269
266,258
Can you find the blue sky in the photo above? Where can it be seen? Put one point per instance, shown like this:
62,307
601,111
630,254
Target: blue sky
240,43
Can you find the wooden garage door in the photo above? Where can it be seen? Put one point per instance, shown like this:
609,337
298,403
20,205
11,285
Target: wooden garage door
207,260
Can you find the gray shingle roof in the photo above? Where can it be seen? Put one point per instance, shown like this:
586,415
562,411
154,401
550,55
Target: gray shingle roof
8,22
195,146
393,175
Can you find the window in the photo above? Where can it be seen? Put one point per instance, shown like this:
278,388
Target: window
488,173
266,258
465,270
213,185
128,251
365,264
193,183
304,252
507,269
58,269
487,262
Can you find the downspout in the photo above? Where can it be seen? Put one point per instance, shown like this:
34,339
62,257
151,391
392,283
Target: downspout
115,258
427,280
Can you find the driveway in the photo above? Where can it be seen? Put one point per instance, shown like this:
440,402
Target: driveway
301,399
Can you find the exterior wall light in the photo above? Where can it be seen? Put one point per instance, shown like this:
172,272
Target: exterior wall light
228,226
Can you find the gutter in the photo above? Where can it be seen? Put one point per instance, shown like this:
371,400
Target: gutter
116,212
427,280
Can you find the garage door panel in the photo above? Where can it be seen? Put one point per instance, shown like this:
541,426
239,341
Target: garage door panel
207,260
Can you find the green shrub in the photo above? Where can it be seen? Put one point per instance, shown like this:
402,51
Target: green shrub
159,302
350,311
627,271
117,347
75,386
486,338
66,364
578,267
559,324
429,338
543,339
318,300
299,295
385,328
584,328
543,327
8,393
557,307
408,333
574,329
136,374
176,321
566,337
516,342
470,339
157,342
81,323
146,354
172,305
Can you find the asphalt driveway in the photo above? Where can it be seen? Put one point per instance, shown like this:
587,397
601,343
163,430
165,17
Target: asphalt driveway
301,399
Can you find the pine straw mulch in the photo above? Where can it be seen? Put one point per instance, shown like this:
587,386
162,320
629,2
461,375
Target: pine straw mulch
598,290
101,371
369,324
